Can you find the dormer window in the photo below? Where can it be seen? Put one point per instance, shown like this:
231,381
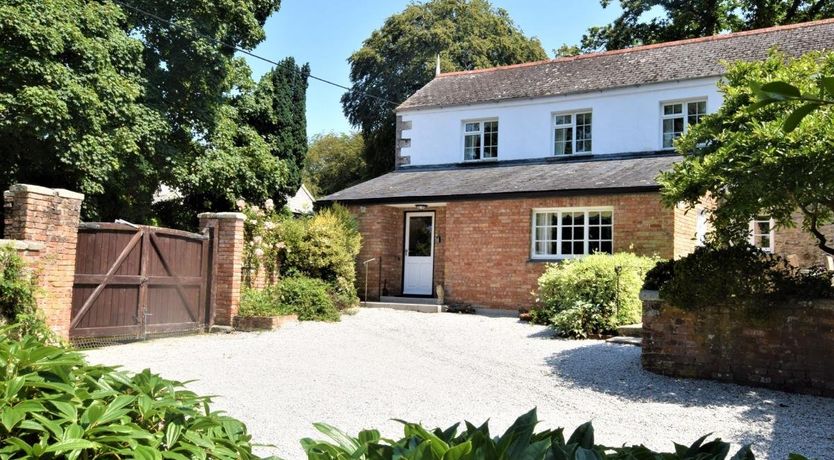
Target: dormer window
677,117
480,140
572,133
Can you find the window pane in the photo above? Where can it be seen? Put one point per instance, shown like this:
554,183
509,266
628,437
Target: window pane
593,246
672,109
562,120
579,218
606,233
490,139
553,248
606,218
566,249
567,218
579,233
473,127
606,246
567,233
419,236
579,247
593,233
593,218
472,147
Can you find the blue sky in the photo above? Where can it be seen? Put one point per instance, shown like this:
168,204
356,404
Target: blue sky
324,33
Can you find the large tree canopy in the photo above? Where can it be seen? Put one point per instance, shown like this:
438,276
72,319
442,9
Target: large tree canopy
654,21
106,100
743,158
334,162
399,58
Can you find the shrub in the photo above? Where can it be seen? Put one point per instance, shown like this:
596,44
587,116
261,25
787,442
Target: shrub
17,297
56,405
262,302
309,297
519,441
739,275
593,294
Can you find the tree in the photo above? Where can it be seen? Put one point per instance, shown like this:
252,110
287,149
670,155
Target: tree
71,103
567,51
334,162
104,99
681,19
399,58
742,156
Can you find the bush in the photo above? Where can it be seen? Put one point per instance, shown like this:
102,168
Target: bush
262,302
739,275
56,405
593,294
17,297
309,297
519,441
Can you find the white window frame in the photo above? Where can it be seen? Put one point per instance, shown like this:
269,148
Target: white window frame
586,233
573,114
684,113
754,234
482,133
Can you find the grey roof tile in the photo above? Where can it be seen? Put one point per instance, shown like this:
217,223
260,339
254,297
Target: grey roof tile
594,174
682,60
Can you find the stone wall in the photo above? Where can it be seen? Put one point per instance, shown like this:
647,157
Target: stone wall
786,347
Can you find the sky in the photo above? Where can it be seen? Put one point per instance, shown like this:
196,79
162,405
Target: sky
325,33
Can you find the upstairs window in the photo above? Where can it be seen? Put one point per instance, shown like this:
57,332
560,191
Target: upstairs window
762,234
677,117
571,232
572,133
480,140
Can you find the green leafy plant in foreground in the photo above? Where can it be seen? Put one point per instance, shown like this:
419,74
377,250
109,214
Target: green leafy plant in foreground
520,441
53,404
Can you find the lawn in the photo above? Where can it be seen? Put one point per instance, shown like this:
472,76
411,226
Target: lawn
440,369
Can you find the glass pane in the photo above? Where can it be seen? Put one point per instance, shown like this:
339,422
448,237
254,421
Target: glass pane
472,127
554,218
490,126
567,218
541,248
579,233
579,247
544,233
579,218
593,218
678,125
668,125
419,236
606,233
672,109
562,119
554,248
668,141
472,147
606,218
606,246
567,233
593,233
566,249
593,247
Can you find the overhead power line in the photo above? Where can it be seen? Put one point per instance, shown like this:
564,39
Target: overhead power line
243,51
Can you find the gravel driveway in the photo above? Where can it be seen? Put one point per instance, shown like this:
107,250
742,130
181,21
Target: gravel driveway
443,368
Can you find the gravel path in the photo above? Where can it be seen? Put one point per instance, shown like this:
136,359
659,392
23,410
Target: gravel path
440,369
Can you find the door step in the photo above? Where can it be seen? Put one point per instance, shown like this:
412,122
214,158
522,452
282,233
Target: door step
418,307
631,330
421,300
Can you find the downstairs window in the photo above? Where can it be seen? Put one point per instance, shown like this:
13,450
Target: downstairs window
563,233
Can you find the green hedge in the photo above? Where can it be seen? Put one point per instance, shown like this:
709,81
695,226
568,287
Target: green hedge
53,404
310,298
520,441
591,295
739,275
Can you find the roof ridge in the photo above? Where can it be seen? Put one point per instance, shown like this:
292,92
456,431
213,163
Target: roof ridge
635,49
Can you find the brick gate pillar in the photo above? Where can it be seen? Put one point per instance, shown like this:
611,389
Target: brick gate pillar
50,217
227,275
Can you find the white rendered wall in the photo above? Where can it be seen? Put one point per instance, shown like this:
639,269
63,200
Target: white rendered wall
624,121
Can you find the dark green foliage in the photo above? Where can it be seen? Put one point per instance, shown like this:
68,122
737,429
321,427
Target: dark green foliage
262,302
17,297
591,295
738,276
56,405
399,58
334,162
654,21
310,298
743,159
520,441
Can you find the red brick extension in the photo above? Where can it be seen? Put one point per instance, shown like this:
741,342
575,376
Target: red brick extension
483,256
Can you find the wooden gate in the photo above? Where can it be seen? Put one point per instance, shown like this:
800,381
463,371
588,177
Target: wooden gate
138,280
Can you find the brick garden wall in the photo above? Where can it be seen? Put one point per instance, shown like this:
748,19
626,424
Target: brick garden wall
787,348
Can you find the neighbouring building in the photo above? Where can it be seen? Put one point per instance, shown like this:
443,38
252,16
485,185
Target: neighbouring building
501,170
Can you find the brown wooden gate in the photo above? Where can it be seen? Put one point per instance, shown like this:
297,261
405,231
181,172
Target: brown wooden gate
138,280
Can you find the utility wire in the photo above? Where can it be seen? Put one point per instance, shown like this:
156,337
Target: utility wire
243,51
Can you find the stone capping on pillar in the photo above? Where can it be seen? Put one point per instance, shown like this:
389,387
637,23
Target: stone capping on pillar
22,245
59,192
222,215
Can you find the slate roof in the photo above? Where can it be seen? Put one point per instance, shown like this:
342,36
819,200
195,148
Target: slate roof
672,61
601,174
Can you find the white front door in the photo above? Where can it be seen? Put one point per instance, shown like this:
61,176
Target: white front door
418,269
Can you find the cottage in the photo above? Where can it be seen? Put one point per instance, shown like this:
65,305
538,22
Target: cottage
501,170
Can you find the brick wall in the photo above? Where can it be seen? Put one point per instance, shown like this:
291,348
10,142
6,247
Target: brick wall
788,347
50,218
483,256
227,278
799,246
